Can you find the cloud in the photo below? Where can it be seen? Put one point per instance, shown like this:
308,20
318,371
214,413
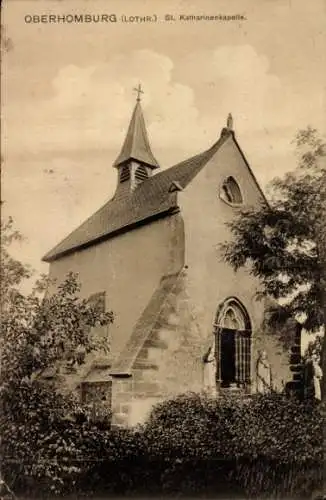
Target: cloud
91,106
79,130
185,106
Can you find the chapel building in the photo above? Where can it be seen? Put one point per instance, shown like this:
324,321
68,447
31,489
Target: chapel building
184,320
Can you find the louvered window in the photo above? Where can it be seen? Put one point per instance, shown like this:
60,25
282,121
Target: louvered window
141,173
124,173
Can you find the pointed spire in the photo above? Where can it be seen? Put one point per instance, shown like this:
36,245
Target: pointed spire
136,145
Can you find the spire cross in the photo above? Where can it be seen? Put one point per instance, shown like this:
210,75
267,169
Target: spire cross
139,91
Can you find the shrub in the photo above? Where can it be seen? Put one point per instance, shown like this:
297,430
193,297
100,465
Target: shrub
51,458
267,444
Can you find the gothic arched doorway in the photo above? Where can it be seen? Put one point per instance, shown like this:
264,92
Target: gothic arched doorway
232,330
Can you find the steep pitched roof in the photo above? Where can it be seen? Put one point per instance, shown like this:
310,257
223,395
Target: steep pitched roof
136,145
150,200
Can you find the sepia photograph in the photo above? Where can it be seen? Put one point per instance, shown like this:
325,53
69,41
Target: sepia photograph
163,249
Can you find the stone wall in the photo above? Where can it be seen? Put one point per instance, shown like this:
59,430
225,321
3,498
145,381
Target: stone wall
128,268
171,359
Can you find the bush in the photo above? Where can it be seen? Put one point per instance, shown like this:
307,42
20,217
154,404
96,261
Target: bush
267,445
52,459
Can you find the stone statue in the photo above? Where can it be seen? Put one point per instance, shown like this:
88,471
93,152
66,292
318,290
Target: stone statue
210,367
264,374
317,376
229,122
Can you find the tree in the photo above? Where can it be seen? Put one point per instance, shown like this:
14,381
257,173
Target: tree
283,242
314,347
37,330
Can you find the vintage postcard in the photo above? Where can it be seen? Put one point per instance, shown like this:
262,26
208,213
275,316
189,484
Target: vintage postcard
163,249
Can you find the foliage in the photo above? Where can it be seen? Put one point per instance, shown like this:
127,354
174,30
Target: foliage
37,333
314,347
265,445
53,459
13,272
240,442
284,242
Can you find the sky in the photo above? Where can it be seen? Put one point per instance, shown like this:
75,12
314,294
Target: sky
67,97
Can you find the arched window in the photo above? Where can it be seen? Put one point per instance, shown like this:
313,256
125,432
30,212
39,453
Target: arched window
141,173
124,173
232,331
232,317
230,192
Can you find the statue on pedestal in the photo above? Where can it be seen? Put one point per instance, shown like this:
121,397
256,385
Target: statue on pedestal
317,374
210,367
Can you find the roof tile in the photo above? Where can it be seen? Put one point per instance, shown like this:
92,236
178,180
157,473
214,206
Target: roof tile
136,145
152,198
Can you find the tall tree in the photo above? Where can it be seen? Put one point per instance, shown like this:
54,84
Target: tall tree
283,243
37,331
314,347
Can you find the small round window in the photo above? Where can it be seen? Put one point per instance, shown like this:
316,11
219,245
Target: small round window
230,192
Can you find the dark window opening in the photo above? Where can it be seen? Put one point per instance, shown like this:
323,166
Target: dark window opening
141,173
230,192
234,355
97,300
96,398
233,345
124,173
96,392
227,358
100,331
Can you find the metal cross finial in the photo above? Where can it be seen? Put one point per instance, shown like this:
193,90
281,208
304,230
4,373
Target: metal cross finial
139,91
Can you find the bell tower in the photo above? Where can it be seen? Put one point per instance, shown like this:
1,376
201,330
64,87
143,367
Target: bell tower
136,161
